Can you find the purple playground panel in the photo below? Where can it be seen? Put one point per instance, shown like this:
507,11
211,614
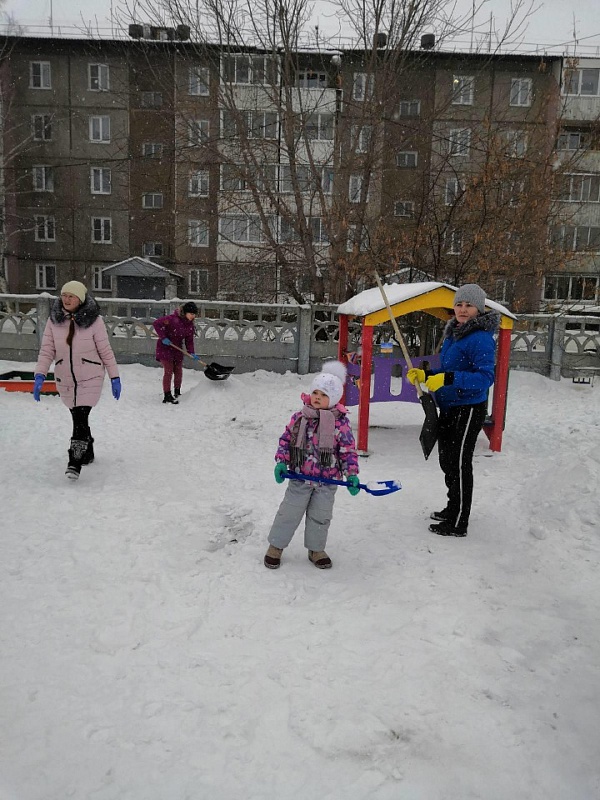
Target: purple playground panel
381,380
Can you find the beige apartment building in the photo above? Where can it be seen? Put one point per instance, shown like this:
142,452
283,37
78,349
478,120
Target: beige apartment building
253,183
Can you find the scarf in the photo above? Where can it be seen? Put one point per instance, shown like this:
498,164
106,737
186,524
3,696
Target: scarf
324,436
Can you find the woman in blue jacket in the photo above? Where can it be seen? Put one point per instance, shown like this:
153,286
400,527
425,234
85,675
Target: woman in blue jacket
461,389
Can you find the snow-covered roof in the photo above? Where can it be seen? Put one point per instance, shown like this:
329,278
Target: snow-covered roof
370,300
136,267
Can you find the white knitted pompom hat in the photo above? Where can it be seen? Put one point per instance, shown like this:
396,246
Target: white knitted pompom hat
331,381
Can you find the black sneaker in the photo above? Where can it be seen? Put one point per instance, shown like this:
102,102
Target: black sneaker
88,456
177,392
168,398
446,529
440,516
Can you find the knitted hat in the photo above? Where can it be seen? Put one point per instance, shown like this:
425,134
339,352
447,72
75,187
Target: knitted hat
189,308
331,381
76,288
473,294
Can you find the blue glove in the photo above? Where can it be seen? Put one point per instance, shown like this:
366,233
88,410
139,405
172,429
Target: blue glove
195,357
353,484
280,470
166,341
116,387
37,386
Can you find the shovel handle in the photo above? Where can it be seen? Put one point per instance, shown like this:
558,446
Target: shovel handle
185,353
399,336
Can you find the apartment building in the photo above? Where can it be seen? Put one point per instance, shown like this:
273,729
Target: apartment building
254,181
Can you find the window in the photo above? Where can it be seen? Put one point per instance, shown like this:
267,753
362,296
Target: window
362,87
580,238
102,230
459,142
581,189
404,208
581,82
198,232
307,79
198,131
45,228
453,191
40,75
100,281
463,89
152,250
361,138
303,175
199,81
511,192
409,108
520,92
516,144
572,141
152,150
152,200
504,290
289,231
99,129
43,179
100,180
198,184
318,230
41,127
358,237
571,287
251,124
98,80
327,180
198,281
245,69
407,159
242,228
355,189
151,100
319,126
45,276
455,238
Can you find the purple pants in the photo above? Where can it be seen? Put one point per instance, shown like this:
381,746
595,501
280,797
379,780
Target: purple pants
172,368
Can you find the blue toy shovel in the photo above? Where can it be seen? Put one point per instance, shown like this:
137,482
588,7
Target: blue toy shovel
378,489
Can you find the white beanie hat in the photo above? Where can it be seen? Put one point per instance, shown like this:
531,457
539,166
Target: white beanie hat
76,288
331,381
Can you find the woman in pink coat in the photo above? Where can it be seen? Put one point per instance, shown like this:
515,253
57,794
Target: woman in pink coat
76,340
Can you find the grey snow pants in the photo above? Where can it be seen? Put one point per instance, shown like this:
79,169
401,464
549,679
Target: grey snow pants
313,499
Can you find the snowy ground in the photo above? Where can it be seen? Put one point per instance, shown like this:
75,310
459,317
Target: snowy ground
147,654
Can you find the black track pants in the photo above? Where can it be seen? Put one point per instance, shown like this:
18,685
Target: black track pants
457,434
81,429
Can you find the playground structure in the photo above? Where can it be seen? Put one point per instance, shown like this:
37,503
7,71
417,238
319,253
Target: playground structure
432,298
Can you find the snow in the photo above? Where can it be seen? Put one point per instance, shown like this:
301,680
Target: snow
371,300
149,655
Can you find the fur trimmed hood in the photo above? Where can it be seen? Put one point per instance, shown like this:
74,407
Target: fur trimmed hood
85,316
490,322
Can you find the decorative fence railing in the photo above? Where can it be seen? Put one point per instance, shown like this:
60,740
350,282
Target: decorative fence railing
283,337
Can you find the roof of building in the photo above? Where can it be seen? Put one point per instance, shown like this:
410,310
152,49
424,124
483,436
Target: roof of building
136,267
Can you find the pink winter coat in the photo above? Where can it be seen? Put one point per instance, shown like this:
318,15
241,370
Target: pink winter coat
79,368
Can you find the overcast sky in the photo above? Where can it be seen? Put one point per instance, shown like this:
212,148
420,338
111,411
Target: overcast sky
551,25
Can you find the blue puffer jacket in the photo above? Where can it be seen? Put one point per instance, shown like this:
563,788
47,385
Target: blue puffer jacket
468,352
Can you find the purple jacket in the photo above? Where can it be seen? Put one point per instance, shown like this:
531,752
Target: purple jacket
179,329
344,448
78,369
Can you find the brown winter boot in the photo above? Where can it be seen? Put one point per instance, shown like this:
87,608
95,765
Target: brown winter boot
320,559
273,557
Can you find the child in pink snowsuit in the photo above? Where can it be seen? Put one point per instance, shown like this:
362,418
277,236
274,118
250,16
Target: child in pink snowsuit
318,442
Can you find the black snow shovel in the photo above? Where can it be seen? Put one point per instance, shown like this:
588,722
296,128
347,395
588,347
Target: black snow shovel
428,435
213,371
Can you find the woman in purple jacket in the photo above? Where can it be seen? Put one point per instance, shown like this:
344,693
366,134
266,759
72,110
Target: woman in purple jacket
75,338
175,329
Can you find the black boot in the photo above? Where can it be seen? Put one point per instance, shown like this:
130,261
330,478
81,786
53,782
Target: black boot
177,392
89,453
170,399
76,453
